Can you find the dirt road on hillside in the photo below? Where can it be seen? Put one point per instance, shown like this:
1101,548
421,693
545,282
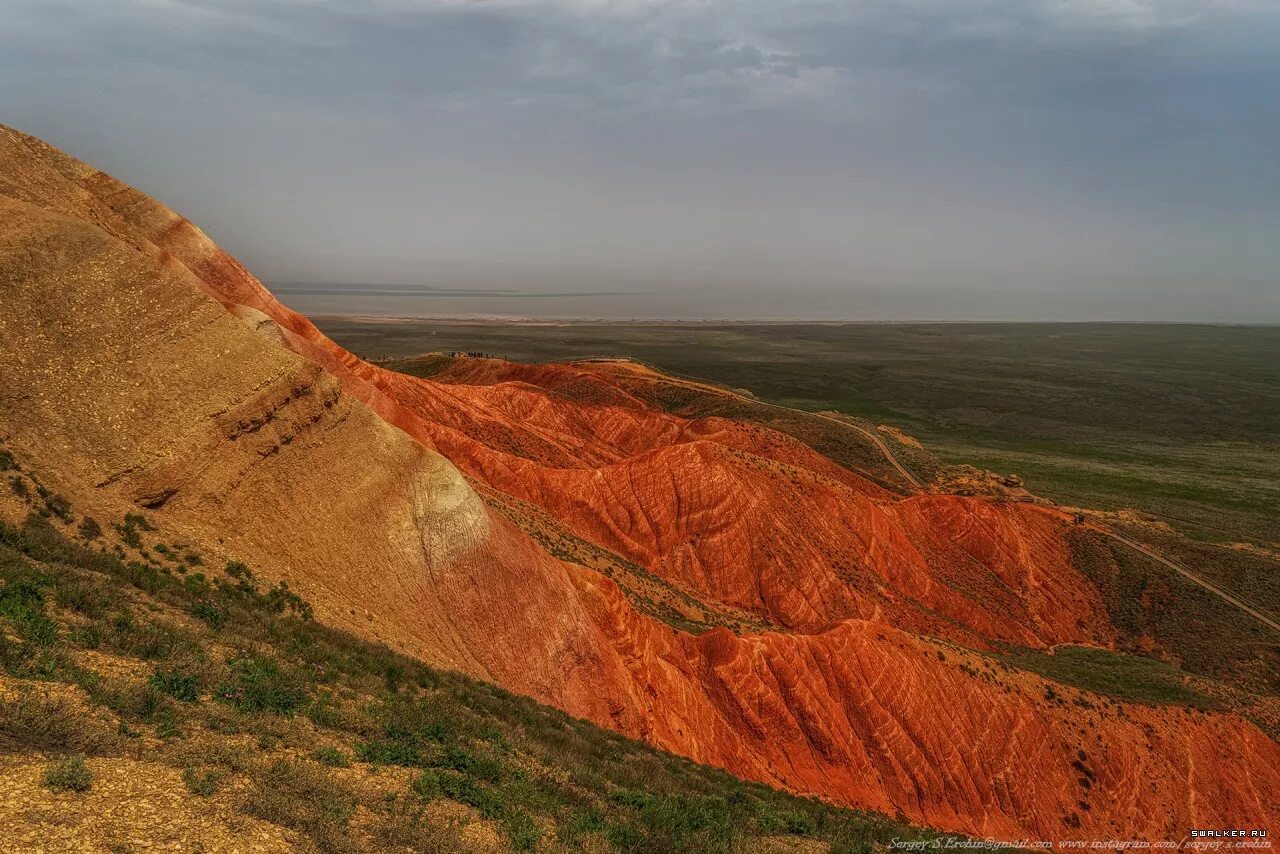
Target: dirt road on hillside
906,475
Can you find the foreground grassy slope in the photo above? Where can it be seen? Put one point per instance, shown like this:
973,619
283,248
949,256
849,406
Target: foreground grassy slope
119,645
1177,420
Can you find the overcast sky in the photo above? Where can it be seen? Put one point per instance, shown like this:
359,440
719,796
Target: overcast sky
837,158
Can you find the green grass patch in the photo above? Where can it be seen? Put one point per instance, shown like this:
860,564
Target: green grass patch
1127,677
69,775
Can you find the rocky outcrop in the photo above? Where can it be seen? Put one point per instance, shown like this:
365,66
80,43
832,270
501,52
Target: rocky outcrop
143,367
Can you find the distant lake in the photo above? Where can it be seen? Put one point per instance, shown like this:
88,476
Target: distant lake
733,301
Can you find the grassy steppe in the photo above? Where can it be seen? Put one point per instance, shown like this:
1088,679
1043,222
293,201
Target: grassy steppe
1180,421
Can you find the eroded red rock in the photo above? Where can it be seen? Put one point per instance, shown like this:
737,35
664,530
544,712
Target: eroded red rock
143,364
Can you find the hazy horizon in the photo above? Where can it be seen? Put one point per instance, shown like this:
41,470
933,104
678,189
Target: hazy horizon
838,159
844,305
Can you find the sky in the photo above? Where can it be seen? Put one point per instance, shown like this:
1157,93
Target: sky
834,159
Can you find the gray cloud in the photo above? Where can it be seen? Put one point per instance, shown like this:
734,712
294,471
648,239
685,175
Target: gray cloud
1052,147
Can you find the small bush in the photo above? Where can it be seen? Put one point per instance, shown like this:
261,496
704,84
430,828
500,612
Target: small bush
180,686
141,700
324,712
464,790
521,831
89,528
587,821
131,526
69,775
88,637
383,751
306,799
167,724
147,640
200,784
245,581
40,721
19,487
210,614
280,598
22,602
59,506
258,684
84,596
331,756
137,520
404,825
467,762
426,785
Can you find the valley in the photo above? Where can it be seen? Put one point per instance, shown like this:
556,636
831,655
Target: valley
1176,420
842,634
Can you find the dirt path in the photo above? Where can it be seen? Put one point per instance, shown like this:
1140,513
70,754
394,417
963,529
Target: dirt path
884,449
893,460
728,392
1189,575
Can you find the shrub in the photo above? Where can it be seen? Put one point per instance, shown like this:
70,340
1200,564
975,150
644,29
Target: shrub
69,775
19,487
180,686
245,581
587,821
404,825
281,598
40,721
88,637
22,602
258,684
89,528
201,784
146,640
166,720
59,506
389,751
131,527
773,819
467,762
83,596
464,790
305,799
140,700
210,614
630,798
426,785
521,831
324,712
331,756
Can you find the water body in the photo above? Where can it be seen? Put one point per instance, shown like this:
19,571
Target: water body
736,301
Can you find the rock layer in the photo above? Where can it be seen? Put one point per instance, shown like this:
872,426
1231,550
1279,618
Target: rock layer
145,368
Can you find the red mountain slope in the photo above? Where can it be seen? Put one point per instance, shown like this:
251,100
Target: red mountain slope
145,367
